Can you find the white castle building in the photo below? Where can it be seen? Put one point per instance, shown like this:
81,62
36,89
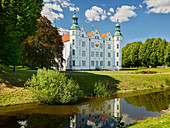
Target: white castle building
92,51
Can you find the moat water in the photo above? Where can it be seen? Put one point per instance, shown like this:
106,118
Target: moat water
115,111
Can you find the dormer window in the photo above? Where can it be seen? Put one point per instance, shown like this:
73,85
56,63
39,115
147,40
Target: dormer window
82,35
109,39
96,32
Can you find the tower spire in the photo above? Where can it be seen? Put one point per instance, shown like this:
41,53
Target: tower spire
75,22
118,33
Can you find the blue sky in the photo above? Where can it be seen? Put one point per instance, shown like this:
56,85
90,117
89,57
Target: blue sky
139,19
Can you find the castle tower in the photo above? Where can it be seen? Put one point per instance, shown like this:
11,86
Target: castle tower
74,42
118,47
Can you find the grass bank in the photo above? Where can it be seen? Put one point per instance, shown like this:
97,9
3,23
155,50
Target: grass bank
160,122
12,89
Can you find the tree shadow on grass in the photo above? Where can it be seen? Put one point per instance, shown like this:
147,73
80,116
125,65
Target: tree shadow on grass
17,79
87,80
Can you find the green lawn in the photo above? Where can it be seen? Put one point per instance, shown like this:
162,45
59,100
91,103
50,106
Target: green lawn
12,89
161,122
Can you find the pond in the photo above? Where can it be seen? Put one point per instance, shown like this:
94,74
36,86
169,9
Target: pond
118,110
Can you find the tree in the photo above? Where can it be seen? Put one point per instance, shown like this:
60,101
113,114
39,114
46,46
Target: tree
154,50
130,54
161,52
125,55
18,21
45,47
134,54
167,55
145,52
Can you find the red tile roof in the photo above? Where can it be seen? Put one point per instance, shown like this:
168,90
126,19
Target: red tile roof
104,35
66,37
90,33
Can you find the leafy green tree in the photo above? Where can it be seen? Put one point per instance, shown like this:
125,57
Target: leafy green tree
45,47
130,54
161,52
145,52
167,55
125,55
18,20
134,54
154,56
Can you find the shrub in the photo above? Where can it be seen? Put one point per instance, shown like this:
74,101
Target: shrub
51,87
102,89
167,82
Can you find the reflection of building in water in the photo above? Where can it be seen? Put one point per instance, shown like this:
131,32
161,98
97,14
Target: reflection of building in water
110,108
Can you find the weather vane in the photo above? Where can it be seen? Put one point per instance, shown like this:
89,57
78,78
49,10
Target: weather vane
55,22
74,9
92,27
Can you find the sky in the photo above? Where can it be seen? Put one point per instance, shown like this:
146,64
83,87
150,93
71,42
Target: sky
139,19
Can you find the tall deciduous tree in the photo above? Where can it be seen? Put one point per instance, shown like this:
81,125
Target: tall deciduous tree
18,20
167,55
45,48
161,52
145,52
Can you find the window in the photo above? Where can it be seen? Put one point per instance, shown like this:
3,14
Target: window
83,63
101,54
109,46
117,107
73,42
82,35
92,44
117,46
101,45
92,54
109,54
109,107
92,63
83,53
101,63
83,44
109,39
97,63
103,41
117,54
117,63
97,54
96,37
108,63
73,62
117,38
73,52
73,33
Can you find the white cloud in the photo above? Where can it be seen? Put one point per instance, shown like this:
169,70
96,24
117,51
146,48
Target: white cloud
73,8
57,5
123,13
140,6
63,31
111,10
95,13
48,11
158,6
109,14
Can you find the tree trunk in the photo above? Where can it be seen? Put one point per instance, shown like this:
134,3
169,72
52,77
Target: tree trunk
14,69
